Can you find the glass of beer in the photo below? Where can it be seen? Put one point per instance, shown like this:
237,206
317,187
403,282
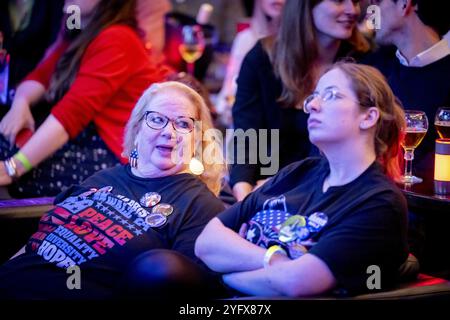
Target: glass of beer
192,45
442,122
416,128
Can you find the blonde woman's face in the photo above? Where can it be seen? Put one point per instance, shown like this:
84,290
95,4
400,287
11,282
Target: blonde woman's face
166,149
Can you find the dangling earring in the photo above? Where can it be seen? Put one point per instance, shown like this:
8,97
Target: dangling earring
196,166
133,158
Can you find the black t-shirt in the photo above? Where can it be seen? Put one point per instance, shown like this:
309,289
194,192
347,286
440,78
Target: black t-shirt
102,225
349,227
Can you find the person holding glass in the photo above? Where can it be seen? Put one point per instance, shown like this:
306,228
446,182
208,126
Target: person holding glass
321,222
119,224
91,80
276,76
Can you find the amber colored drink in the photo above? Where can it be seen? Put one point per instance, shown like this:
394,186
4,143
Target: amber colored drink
413,138
443,129
190,53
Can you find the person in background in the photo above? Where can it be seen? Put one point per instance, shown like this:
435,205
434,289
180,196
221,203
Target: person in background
29,27
92,80
415,58
264,22
320,223
150,16
276,76
120,224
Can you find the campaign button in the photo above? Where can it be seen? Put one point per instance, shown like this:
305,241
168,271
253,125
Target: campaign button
317,221
155,220
150,199
163,208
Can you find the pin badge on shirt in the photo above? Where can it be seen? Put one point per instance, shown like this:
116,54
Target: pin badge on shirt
317,221
163,208
150,199
155,220
290,226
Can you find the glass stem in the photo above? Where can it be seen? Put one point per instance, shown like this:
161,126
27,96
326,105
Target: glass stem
190,68
408,156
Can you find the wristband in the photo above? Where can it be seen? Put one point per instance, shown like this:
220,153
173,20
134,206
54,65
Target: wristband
19,156
269,254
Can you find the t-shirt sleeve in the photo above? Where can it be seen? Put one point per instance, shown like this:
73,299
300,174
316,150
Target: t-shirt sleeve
239,213
105,66
369,237
205,206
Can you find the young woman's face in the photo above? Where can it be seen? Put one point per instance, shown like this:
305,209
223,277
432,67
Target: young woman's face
336,19
338,118
166,149
272,8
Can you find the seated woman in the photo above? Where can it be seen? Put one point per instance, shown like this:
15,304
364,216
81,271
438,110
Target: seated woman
274,80
116,219
92,80
323,223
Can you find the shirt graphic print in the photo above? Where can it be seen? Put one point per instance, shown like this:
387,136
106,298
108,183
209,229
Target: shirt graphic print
274,225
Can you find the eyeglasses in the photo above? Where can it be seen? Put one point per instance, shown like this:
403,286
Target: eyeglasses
327,95
158,121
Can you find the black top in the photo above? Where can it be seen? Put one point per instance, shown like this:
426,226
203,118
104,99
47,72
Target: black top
349,227
28,46
103,230
425,88
256,108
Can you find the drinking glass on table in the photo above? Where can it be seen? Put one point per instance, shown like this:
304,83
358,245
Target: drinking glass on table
442,122
416,128
192,45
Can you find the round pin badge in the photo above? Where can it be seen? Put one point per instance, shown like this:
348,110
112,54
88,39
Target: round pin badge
317,221
163,208
287,234
155,220
290,226
150,199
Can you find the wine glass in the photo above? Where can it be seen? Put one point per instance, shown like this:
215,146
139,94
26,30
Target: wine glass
442,122
416,128
192,45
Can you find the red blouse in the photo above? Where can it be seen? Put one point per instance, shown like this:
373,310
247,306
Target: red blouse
113,73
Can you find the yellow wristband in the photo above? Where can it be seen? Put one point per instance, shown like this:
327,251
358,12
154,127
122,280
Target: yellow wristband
270,252
19,156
